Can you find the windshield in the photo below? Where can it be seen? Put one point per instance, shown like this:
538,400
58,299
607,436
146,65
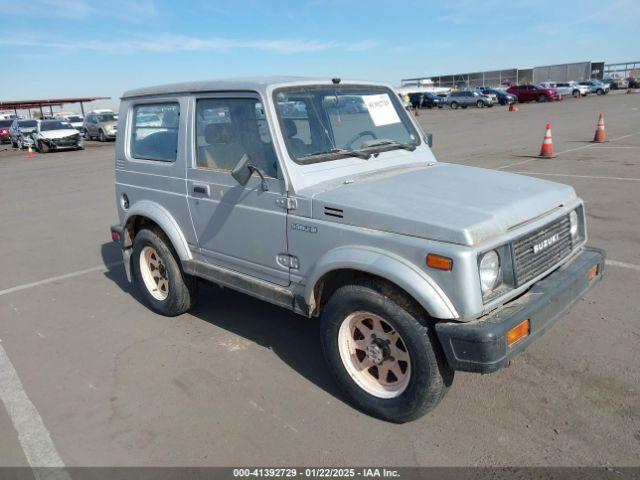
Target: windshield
27,123
106,117
54,125
322,123
5,123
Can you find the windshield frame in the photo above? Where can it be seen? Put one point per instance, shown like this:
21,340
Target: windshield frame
333,156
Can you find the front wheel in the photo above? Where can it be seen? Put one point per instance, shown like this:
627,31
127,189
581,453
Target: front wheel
101,136
158,275
600,91
576,93
479,104
454,105
43,147
383,351
542,98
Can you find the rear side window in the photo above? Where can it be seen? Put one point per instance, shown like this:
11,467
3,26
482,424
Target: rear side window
154,131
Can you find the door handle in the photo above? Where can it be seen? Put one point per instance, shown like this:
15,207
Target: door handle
201,189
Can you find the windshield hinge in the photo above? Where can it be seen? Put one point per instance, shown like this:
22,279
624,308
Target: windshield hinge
287,203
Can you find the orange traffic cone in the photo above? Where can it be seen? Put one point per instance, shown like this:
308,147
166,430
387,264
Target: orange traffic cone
547,144
601,135
30,154
512,107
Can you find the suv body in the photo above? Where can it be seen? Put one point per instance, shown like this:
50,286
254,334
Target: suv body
53,135
530,92
501,96
416,268
467,98
100,125
567,89
596,86
21,130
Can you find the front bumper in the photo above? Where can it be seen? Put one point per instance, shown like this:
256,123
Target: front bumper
481,346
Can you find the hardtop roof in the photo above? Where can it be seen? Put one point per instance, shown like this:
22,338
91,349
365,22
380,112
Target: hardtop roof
259,84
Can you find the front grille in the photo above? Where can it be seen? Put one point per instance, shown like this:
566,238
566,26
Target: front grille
66,141
536,252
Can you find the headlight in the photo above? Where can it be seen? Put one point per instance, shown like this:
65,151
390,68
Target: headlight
574,228
489,268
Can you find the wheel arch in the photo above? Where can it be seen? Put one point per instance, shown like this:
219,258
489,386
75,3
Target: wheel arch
340,265
145,213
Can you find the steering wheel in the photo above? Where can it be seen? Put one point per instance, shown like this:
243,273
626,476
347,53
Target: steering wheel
360,135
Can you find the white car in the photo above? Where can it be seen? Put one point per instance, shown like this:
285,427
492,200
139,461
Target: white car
566,89
76,121
53,135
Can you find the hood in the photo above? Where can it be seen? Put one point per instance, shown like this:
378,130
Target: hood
112,123
444,202
58,133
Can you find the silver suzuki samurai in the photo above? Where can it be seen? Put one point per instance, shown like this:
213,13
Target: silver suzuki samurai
323,197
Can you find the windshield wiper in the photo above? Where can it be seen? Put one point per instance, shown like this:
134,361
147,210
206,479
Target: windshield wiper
344,151
391,143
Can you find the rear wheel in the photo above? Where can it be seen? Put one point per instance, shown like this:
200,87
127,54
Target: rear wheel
159,276
383,351
600,91
454,105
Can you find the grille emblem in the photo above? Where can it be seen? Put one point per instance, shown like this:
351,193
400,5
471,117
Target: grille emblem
547,242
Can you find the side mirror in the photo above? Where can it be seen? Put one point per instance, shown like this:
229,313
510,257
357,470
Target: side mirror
242,172
428,138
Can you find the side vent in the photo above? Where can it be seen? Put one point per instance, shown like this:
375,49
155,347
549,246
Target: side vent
333,212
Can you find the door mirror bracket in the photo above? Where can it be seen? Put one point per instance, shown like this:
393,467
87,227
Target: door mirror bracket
243,171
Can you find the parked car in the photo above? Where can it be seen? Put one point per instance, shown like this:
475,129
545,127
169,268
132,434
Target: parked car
54,135
596,86
616,83
633,82
415,268
573,89
531,92
502,97
76,121
102,126
425,100
466,98
19,130
5,136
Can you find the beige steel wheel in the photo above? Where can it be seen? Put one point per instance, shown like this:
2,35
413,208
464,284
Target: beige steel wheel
154,273
374,354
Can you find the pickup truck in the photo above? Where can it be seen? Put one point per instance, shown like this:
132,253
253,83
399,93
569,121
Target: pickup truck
323,197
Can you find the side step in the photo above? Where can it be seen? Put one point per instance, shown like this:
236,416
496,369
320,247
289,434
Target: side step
260,289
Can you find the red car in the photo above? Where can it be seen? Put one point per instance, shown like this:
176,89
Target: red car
4,130
528,93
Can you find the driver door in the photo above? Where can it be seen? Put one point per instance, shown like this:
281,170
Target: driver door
241,228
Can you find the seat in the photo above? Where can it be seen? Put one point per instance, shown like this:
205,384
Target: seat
298,146
223,149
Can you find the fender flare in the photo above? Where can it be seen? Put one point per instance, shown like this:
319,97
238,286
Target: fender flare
386,265
161,216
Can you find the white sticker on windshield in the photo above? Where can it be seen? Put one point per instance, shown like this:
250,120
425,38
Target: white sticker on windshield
381,109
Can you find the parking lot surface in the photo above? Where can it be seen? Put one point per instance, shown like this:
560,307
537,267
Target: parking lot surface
238,381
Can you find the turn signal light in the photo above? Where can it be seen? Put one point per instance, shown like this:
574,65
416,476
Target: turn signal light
438,262
518,332
593,272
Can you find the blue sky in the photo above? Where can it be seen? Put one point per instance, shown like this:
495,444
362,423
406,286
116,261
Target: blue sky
64,48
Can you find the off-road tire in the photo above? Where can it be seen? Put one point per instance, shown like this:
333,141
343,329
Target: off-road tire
183,288
430,373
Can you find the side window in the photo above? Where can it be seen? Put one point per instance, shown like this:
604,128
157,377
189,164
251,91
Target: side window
227,129
154,131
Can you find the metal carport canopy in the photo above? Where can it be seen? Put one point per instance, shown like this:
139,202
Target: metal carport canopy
48,102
